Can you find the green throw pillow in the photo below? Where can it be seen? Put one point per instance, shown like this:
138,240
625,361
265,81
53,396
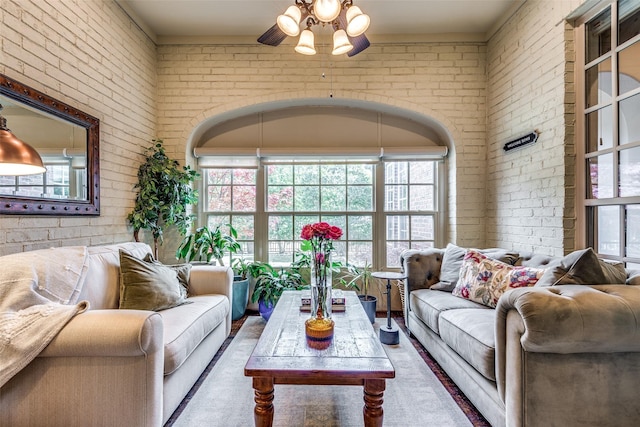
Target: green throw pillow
149,285
183,271
583,267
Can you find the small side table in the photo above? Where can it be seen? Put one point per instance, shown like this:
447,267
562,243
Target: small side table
389,334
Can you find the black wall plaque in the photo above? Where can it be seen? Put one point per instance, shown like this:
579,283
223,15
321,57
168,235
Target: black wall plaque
522,141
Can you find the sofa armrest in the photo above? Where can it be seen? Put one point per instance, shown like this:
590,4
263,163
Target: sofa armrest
566,319
108,333
105,367
211,279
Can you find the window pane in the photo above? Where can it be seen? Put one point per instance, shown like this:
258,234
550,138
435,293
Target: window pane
279,198
219,198
244,176
633,231
396,173
244,198
307,175
598,35
337,220
307,198
279,174
244,225
360,174
601,176
630,172
394,250
608,230
218,176
598,83
360,198
422,227
629,27
421,198
629,125
333,174
628,73
280,253
421,245
333,198
360,253
396,198
421,172
600,129
215,220
280,227
360,227
398,227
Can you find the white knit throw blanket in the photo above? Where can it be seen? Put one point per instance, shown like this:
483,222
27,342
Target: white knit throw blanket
38,296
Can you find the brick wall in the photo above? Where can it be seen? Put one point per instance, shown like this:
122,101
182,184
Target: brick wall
90,55
443,81
530,197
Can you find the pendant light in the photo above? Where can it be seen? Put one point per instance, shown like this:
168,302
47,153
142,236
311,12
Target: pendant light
17,157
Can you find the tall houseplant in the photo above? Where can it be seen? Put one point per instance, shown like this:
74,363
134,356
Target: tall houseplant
164,194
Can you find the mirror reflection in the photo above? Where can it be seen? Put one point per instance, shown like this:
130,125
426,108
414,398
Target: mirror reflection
62,146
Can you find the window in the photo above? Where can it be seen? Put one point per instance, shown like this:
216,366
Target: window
59,181
611,148
268,206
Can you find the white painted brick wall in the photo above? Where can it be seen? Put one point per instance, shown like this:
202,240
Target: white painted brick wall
107,67
90,55
530,204
445,81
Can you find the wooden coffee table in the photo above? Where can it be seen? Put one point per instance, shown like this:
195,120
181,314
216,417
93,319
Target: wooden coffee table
282,356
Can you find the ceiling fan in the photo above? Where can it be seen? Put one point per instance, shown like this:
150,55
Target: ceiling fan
347,21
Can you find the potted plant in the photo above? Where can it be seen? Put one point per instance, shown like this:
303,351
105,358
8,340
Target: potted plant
270,283
206,244
164,193
242,271
360,278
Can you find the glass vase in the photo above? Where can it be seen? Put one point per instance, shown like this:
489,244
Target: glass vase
319,327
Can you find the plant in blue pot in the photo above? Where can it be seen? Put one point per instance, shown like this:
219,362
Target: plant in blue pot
271,282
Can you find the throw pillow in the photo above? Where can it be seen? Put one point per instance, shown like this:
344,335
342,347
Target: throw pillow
484,280
148,285
183,271
452,261
583,267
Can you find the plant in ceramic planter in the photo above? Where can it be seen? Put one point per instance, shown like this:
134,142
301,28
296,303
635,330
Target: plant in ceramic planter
271,282
206,244
164,194
242,273
360,279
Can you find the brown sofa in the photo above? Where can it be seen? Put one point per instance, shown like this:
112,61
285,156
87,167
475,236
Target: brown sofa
565,355
116,367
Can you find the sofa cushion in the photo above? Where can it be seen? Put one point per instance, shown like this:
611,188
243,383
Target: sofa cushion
470,333
583,267
484,280
428,305
452,261
148,285
186,326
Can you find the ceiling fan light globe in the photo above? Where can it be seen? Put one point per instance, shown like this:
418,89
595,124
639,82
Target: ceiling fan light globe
358,22
326,10
305,43
289,21
341,43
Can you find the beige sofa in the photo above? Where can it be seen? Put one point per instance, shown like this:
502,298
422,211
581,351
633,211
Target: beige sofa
113,367
565,355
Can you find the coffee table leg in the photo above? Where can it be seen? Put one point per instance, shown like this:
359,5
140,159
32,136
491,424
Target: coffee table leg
263,412
373,392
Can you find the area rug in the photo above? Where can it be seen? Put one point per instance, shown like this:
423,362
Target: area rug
225,397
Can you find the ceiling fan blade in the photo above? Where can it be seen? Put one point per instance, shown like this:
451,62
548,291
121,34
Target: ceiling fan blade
273,36
359,43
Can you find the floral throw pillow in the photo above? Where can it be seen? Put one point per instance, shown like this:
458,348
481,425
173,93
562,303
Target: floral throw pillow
484,280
